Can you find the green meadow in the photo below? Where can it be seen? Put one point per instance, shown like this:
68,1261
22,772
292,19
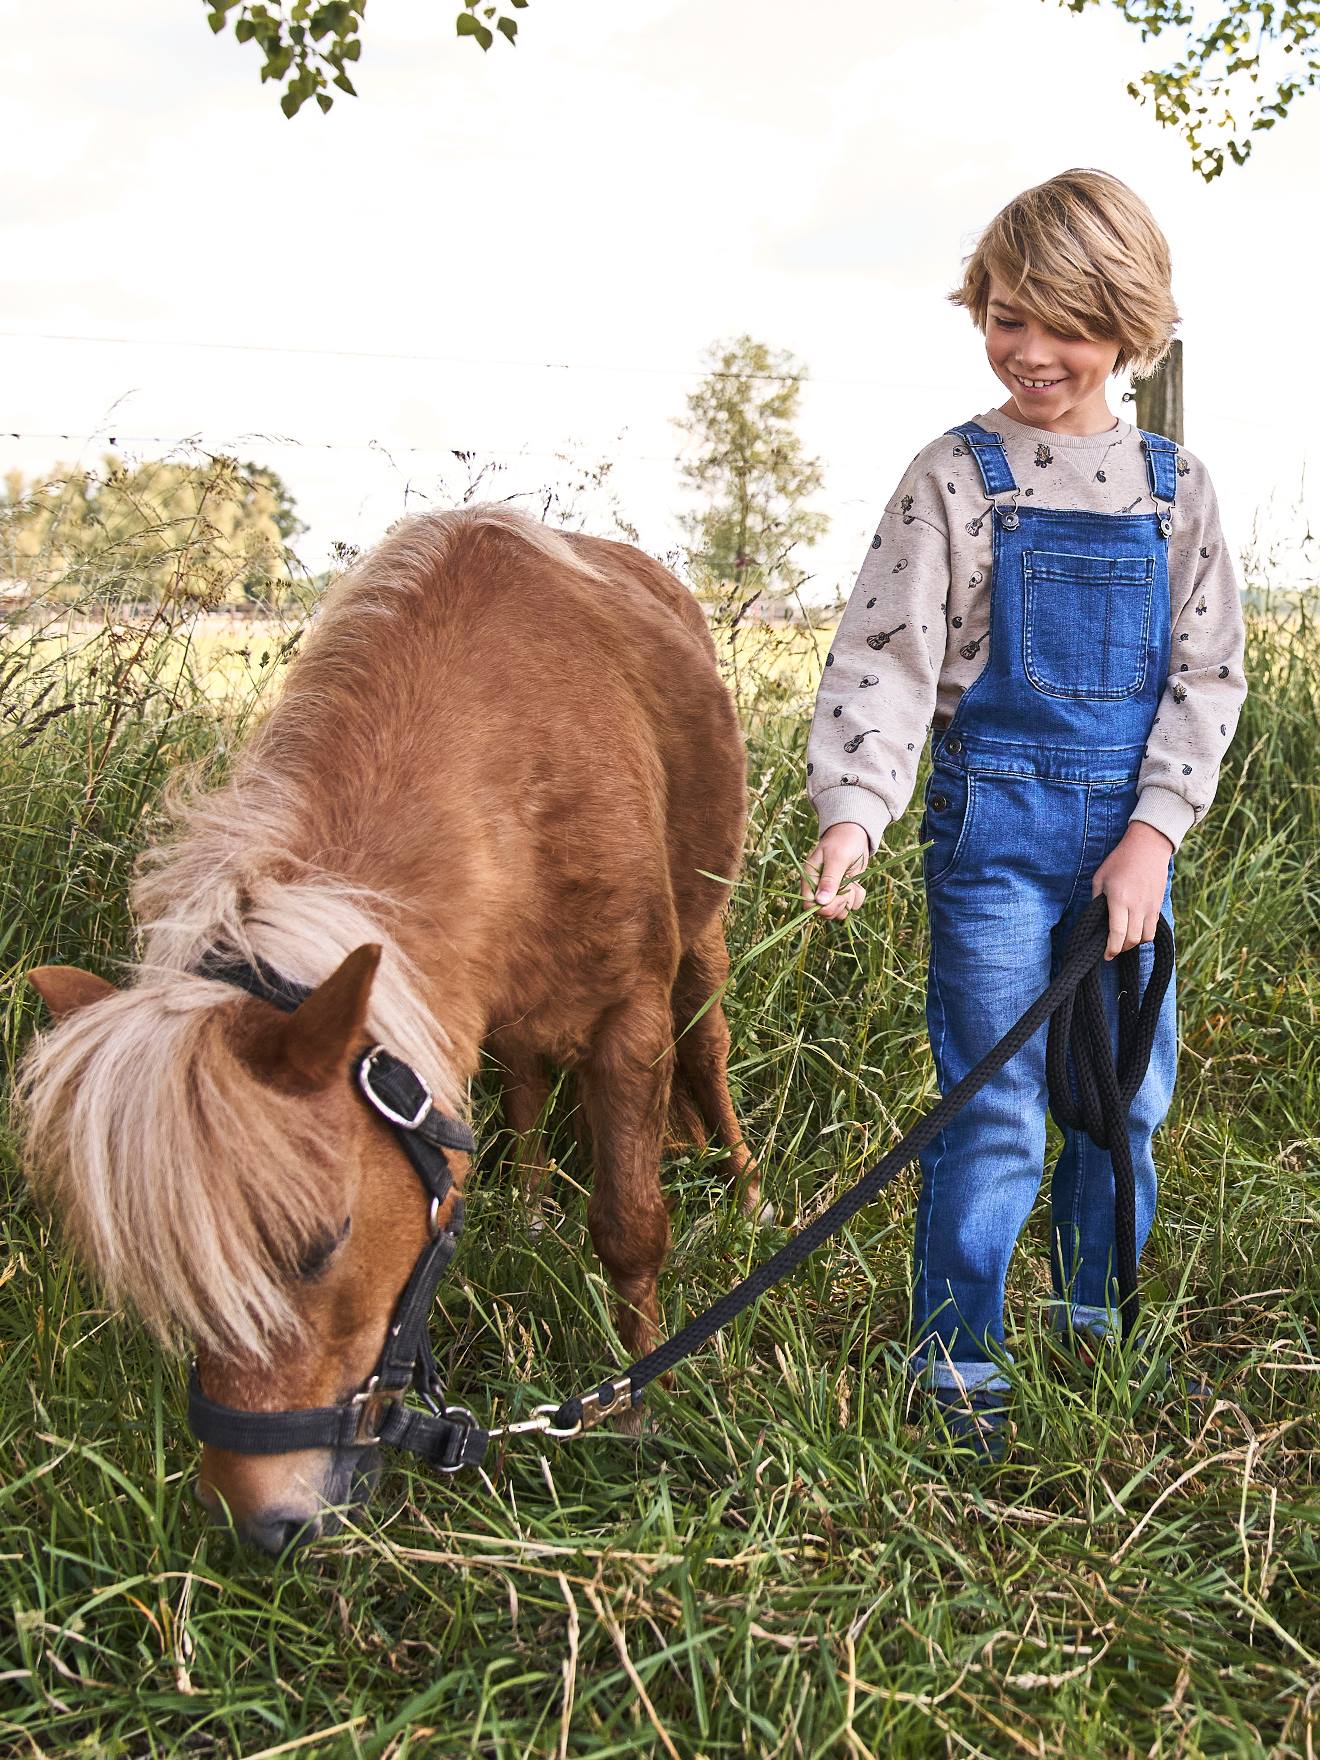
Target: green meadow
784,1563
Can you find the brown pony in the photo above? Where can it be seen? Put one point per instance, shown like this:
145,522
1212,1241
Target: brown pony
485,810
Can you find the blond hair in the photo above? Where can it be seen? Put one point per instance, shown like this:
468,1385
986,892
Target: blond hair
1082,254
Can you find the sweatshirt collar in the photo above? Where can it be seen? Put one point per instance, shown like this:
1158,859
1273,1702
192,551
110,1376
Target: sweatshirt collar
999,423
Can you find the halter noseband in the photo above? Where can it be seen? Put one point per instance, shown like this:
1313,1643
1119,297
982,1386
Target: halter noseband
447,1437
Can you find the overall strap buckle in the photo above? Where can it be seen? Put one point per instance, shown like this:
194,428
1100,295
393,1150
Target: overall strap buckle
991,459
1162,473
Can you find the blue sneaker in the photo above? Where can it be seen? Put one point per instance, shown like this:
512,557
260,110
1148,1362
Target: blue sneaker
974,1418
1084,1347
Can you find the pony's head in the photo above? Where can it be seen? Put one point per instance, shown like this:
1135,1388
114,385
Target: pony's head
214,1166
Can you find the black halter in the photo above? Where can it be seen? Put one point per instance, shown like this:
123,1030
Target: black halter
447,1437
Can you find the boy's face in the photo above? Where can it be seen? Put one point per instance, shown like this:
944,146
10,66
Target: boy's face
1021,349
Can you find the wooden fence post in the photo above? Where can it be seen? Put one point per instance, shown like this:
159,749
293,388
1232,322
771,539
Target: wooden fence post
1159,398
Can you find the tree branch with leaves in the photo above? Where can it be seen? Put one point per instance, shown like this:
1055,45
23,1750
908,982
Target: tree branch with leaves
1215,94
307,46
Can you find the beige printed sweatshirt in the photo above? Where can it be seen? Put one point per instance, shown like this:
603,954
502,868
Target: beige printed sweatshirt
925,585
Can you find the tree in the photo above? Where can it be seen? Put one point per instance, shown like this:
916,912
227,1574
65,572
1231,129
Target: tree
209,533
749,465
307,45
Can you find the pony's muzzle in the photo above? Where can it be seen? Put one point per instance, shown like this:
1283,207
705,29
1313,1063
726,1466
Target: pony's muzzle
291,1518
277,1533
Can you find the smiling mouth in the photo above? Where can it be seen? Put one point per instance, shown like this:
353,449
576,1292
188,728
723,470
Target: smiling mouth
1036,384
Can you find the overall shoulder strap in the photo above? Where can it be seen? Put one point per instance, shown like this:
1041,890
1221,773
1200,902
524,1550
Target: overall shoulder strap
1161,464
991,459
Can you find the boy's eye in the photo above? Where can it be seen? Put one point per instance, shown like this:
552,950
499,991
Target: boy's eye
1008,323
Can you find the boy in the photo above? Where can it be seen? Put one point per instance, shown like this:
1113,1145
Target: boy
1050,594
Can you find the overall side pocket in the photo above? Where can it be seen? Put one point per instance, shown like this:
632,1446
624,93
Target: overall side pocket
949,801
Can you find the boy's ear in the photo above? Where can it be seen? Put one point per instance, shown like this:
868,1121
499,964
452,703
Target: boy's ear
66,989
317,1036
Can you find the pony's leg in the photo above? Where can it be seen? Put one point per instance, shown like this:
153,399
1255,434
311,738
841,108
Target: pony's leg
703,1059
625,1080
526,1089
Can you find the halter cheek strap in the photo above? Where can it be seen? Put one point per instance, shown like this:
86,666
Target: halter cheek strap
447,1437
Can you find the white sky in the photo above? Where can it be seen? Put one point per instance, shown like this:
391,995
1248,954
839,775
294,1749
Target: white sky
632,182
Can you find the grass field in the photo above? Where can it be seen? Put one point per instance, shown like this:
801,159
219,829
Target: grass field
782,1565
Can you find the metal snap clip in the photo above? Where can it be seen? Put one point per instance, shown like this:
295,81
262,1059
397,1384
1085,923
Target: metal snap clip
938,802
1009,521
953,745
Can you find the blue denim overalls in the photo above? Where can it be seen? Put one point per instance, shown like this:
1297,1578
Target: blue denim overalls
1032,784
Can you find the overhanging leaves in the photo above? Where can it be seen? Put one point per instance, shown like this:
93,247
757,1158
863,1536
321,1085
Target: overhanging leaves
1219,94
305,46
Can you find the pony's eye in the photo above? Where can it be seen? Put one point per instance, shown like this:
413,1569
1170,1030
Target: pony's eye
321,1251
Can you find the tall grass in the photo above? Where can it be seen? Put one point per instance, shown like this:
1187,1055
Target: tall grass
784,1563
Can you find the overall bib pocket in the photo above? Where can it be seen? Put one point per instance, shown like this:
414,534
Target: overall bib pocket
1086,623
947,821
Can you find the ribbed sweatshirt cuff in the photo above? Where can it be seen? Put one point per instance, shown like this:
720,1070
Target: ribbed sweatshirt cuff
1166,811
835,806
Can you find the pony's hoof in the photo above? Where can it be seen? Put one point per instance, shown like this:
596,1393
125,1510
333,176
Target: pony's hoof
756,1209
629,1422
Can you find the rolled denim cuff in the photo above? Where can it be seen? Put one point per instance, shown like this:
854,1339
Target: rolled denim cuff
958,1377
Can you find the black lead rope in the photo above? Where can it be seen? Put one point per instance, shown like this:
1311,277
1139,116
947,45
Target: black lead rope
1078,1043
1106,1093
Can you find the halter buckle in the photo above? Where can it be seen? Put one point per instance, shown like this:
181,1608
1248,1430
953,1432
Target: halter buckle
372,1403
383,1106
454,1412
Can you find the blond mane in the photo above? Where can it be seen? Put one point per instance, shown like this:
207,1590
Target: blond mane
187,1184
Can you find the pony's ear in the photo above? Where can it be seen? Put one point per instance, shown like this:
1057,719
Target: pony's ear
319,1033
66,989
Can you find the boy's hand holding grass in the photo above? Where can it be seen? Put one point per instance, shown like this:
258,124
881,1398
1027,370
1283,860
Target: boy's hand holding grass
844,849
1133,877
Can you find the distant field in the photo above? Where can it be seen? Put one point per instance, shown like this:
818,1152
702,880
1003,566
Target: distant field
226,654
212,654
784,1565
